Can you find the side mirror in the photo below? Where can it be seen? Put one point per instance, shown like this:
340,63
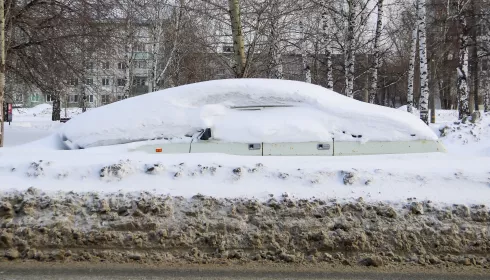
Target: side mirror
206,134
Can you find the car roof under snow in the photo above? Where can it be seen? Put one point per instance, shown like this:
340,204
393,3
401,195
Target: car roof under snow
296,112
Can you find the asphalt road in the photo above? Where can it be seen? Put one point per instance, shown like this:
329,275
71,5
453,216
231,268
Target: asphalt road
122,273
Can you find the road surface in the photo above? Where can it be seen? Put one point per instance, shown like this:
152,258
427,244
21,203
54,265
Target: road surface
82,272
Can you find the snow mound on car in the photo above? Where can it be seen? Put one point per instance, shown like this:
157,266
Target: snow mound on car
316,114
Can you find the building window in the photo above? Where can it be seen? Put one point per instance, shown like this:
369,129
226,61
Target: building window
19,98
91,98
89,81
121,82
73,98
105,98
73,82
105,65
141,64
227,49
49,98
139,81
139,47
35,97
105,81
121,65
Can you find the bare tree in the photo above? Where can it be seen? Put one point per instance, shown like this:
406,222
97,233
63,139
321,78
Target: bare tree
275,64
238,42
424,83
411,69
327,42
349,48
463,91
376,53
304,52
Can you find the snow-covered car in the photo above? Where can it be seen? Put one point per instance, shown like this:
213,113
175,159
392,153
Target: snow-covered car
251,117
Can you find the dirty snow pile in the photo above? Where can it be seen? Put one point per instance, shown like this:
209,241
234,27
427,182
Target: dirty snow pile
316,114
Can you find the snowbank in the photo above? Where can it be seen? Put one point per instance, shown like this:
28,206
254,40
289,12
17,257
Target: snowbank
415,111
317,115
41,109
161,230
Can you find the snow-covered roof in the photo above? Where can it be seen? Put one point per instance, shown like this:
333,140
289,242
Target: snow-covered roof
314,114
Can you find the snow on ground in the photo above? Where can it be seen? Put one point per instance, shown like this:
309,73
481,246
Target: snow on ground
461,176
319,115
33,123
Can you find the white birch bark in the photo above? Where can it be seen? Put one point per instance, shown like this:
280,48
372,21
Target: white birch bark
156,74
156,31
129,55
373,90
424,83
327,42
463,91
349,48
411,69
238,43
304,53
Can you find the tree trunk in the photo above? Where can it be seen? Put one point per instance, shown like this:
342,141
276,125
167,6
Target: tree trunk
411,69
2,70
128,54
275,64
83,98
464,110
304,53
327,41
474,70
487,101
424,82
155,49
238,43
56,114
432,102
128,69
374,74
366,90
349,49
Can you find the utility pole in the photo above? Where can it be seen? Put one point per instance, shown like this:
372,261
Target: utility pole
2,69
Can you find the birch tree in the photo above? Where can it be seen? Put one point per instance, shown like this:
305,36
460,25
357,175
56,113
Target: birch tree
424,83
374,72
275,64
349,47
159,13
327,42
463,91
304,52
411,68
238,41
129,36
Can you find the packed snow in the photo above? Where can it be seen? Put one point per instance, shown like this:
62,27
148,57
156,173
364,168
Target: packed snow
317,114
460,176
